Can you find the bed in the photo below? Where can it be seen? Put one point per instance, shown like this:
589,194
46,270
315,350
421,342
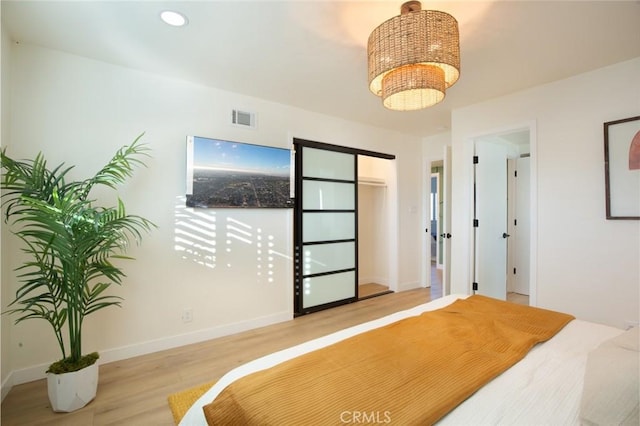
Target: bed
560,381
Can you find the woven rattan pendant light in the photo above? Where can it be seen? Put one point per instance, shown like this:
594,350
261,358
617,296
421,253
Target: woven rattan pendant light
414,57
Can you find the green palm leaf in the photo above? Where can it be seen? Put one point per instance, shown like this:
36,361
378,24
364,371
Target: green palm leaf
69,240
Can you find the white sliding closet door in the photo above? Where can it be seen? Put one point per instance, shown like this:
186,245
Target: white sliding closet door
326,251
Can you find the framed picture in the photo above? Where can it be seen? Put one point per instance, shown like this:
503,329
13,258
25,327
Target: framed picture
622,168
224,174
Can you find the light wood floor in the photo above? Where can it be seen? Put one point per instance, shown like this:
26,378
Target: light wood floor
521,299
134,391
366,291
436,282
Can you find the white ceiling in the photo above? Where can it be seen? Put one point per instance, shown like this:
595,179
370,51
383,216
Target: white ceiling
312,54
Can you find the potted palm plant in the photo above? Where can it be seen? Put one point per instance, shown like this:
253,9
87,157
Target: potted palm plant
70,243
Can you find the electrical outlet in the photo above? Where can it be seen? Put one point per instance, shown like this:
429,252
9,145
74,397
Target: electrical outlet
187,315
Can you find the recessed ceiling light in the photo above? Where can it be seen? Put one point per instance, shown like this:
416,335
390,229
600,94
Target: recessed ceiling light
175,19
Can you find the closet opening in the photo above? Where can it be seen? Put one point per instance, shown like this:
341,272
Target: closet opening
373,229
334,210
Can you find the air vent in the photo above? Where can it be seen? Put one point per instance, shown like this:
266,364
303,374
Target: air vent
243,118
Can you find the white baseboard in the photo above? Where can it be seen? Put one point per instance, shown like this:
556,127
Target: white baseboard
377,280
29,374
7,384
409,286
37,372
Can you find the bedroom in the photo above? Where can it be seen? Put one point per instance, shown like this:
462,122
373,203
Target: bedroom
78,101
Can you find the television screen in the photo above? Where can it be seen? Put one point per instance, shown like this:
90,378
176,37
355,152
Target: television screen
233,174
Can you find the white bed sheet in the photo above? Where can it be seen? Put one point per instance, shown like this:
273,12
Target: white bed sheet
543,389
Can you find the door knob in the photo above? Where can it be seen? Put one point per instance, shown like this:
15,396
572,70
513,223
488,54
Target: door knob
505,235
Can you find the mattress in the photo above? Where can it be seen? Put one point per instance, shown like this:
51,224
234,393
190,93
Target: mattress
544,388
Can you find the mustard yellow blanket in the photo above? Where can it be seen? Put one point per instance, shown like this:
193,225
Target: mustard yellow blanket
411,372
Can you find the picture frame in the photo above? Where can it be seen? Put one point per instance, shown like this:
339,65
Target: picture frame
229,174
622,168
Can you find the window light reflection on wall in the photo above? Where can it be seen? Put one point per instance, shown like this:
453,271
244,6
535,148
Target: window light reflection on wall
212,239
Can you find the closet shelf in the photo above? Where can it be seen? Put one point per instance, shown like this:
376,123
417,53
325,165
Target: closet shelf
372,181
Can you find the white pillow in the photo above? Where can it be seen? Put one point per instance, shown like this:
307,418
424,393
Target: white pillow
612,381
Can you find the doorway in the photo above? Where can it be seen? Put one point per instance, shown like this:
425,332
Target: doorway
436,243
437,236
501,225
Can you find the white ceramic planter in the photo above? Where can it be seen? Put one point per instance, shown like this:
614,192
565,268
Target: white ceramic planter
72,391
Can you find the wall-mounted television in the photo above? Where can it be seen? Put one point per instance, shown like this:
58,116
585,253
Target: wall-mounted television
223,174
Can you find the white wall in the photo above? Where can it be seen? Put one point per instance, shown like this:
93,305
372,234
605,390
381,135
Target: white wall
373,250
586,265
433,146
80,111
5,321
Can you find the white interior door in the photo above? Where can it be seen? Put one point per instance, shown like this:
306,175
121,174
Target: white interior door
326,247
446,222
491,215
511,221
522,235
